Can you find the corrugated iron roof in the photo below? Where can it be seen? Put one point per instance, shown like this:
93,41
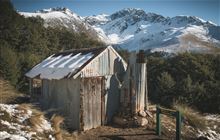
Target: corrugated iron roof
64,64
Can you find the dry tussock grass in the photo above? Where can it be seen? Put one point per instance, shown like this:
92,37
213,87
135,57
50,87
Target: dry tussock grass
24,107
7,92
36,121
193,117
56,122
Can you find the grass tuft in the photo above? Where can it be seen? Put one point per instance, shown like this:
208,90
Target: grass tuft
191,116
7,92
36,121
56,121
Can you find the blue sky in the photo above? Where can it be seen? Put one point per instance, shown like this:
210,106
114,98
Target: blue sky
206,9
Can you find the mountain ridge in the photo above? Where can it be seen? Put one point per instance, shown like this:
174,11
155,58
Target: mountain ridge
134,29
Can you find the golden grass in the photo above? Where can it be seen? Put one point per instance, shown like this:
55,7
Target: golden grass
56,121
36,121
192,117
24,108
7,92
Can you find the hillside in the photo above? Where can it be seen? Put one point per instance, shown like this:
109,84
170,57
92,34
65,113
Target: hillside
7,93
24,42
190,80
63,17
134,29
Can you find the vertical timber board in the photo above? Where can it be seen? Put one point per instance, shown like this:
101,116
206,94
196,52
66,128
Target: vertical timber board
103,112
98,101
81,113
91,102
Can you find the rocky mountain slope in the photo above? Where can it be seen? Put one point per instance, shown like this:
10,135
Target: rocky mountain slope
134,29
60,17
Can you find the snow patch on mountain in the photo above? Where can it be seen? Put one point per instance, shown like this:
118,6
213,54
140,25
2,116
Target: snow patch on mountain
58,17
134,29
63,17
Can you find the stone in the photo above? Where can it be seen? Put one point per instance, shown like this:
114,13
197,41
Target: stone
142,121
75,133
142,113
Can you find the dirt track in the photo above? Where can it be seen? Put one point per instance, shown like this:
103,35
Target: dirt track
114,133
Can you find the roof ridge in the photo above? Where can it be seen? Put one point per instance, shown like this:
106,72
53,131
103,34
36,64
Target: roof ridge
82,50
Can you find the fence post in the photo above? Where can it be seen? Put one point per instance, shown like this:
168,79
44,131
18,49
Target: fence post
178,125
158,125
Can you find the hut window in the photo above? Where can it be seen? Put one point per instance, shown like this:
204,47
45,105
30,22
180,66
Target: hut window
36,86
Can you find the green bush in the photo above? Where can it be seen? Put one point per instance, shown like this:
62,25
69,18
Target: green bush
25,42
193,79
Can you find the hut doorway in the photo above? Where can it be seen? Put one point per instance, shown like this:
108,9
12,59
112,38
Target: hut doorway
36,89
93,105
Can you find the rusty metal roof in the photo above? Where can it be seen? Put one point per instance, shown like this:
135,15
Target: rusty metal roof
64,64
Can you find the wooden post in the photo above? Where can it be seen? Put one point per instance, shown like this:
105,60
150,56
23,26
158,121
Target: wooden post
177,114
178,125
158,125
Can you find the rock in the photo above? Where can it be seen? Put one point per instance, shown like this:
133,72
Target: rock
142,121
142,113
75,133
119,120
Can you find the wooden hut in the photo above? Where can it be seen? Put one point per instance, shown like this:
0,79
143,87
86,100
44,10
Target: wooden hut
83,85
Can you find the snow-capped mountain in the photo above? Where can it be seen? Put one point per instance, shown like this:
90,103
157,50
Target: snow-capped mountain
134,29
63,17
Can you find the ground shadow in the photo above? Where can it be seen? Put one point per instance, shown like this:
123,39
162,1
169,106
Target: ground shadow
21,100
149,135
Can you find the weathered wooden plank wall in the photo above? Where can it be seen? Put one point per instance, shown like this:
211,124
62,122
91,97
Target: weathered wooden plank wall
90,97
63,97
107,63
91,102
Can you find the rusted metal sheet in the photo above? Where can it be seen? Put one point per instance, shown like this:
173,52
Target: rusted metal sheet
91,103
62,96
141,79
91,97
134,90
107,63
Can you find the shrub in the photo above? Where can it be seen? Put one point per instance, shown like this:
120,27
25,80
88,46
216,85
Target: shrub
192,117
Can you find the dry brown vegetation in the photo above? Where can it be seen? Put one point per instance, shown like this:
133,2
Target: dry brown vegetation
56,121
192,117
195,41
7,92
